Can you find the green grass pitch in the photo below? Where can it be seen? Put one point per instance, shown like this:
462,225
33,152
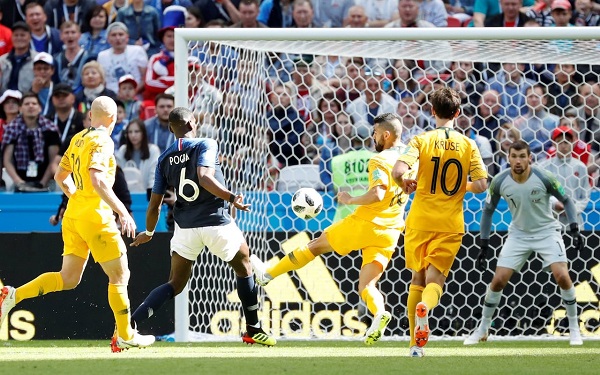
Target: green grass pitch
300,357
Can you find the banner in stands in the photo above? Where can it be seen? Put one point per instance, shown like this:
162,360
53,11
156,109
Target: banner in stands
322,302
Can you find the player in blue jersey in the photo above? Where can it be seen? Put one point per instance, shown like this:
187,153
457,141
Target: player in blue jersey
201,214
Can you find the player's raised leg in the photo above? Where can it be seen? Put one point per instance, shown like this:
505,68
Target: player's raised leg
248,294
293,261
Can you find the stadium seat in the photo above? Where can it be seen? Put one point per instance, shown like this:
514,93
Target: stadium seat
294,177
454,22
149,111
134,178
7,180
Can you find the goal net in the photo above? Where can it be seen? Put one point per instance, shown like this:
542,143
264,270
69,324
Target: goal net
283,104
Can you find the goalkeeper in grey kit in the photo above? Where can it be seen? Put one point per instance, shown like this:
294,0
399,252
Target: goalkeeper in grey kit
527,190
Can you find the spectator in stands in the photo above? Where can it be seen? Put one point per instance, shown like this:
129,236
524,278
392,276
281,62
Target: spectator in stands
142,22
511,15
194,18
581,150
10,102
248,10
42,85
112,8
157,127
160,74
226,10
126,94
276,13
304,89
434,11
505,136
331,13
286,128
408,12
162,5
204,97
138,153
17,65
373,101
233,133
585,14
357,18
485,9
44,38
372,13
570,172
122,58
323,120
29,143
467,82
67,119
357,181
589,113
329,70
511,84
404,82
537,123
339,142
464,124
563,89
541,12
460,9
489,112
12,12
561,13
5,38
59,11
93,81
93,38
120,125
71,60
353,83
219,61
249,87
303,14
408,110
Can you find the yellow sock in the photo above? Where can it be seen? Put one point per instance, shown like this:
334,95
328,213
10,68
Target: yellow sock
415,293
432,295
374,300
119,304
293,261
43,284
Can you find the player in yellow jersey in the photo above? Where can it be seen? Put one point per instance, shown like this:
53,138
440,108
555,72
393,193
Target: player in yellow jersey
435,222
86,174
374,227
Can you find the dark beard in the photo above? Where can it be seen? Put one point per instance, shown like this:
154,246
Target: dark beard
378,147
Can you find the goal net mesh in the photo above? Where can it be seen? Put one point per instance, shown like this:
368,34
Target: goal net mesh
281,110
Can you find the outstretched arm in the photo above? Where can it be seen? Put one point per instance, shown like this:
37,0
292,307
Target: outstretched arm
373,195
206,177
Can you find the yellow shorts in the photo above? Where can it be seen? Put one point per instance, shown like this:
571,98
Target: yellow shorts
377,243
103,240
424,248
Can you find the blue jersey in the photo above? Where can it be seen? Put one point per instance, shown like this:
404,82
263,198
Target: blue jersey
177,166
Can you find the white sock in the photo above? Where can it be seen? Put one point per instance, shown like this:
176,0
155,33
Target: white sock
492,299
570,301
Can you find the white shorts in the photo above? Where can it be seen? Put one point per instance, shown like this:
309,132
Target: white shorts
224,241
516,251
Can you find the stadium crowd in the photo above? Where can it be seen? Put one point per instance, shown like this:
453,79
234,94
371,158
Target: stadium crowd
57,56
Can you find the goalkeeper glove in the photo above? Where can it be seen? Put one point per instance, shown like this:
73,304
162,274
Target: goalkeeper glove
481,262
576,237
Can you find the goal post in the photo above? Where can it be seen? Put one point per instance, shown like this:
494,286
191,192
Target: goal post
321,301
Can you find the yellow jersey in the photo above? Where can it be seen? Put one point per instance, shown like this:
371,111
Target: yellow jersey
446,159
389,212
90,148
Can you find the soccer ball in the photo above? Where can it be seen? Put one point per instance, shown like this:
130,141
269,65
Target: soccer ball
307,203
